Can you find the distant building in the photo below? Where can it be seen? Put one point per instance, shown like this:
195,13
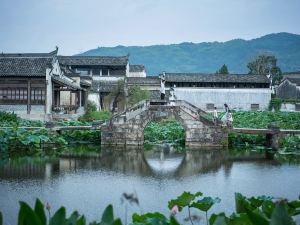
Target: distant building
100,72
137,71
289,88
206,91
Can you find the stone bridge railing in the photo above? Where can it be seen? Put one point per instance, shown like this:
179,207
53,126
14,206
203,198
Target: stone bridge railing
127,128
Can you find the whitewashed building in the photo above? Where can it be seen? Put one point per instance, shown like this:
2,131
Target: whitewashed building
206,91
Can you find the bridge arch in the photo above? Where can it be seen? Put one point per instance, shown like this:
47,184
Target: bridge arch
127,128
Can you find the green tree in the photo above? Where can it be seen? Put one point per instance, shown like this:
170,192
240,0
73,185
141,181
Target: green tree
264,65
223,70
117,95
136,94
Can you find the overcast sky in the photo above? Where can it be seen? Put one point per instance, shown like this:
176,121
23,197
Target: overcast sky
79,25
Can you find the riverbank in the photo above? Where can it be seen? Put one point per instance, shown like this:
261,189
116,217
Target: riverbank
168,131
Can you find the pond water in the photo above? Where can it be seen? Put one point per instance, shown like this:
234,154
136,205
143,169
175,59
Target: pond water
89,184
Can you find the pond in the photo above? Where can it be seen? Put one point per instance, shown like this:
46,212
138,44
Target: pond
89,184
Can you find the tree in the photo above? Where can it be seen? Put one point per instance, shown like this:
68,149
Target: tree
136,94
264,65
117,95
223,70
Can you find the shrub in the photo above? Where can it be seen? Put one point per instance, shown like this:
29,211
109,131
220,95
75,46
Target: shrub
9,119
275,103
97,115
90,106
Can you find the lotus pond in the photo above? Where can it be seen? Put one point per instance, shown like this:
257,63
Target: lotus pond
87,179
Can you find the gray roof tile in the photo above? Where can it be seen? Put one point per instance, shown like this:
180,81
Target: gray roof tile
24,66
136,68
216,78
93,60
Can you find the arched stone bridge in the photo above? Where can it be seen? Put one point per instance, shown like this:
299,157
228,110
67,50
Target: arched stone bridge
127,128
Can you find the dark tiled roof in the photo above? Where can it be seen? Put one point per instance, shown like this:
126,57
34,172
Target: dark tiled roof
294,80
215,78
291,75
103,86
85,83
136,68
24,66
68,83
93,60
143,80
35,55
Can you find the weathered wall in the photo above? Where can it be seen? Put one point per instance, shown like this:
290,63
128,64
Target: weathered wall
238,99
94,97
128,131
288,90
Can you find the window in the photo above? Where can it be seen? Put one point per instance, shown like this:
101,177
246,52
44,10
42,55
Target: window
83,71
105,72
254,106
13,95
37,96
96,71
210,106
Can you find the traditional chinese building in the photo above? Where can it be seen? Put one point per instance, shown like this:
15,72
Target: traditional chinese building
31,84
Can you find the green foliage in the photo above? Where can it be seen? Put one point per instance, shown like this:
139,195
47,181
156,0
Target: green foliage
136,94
262,210
9,118
165,131
275,103
117,95
90,106
223,70
19,138
96,115
236,54
185,199
285,120
265,64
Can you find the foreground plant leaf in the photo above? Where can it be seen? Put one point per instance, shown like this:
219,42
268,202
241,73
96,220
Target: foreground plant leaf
150,218
183,200
39,210
280,215
206,203
59,218
107,216
27,216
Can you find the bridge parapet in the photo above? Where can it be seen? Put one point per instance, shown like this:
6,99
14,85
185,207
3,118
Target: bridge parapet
127,128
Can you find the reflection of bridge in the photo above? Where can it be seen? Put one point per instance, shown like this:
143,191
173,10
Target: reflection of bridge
159,163
127,128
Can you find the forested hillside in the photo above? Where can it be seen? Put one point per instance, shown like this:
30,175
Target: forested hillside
208,57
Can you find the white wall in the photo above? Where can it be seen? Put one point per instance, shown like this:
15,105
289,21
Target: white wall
137,74
238,99
94,97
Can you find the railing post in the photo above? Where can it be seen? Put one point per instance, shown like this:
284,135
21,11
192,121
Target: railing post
272,139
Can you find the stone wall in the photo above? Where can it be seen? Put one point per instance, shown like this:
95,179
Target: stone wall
22,109
128,131
288,90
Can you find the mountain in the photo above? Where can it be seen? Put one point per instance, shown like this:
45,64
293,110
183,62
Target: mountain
208,57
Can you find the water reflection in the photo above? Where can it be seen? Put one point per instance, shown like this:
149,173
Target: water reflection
89,184
161,161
